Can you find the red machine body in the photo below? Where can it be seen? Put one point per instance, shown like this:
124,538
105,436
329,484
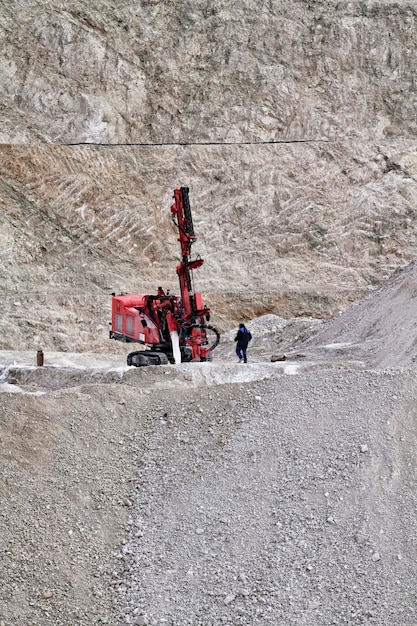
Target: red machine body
174,327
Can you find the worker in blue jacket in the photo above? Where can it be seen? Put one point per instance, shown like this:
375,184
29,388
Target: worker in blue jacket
242,338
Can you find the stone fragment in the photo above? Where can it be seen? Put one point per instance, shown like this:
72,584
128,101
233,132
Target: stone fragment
229,598
314,604
361,539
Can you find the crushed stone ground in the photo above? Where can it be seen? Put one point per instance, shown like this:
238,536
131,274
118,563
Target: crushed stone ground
161,499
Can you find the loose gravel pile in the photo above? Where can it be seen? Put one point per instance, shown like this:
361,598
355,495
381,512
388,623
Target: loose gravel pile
289,501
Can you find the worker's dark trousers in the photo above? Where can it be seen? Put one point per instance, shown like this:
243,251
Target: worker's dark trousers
241,353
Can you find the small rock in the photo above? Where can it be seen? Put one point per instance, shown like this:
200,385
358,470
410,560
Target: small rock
229,598
277,357
47,594
364,448
313,604
142,620
376,556
361,539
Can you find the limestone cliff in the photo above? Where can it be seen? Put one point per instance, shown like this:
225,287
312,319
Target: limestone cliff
293,124
198,70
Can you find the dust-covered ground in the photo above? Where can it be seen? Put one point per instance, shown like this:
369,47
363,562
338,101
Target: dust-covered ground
160,499
217,493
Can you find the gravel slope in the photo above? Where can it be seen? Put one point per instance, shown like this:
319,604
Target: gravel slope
166,499
288,501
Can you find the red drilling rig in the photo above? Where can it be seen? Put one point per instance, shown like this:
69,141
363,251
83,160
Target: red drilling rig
175,328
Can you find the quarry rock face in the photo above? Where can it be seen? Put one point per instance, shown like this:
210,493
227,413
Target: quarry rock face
292,123
196,71
282,230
